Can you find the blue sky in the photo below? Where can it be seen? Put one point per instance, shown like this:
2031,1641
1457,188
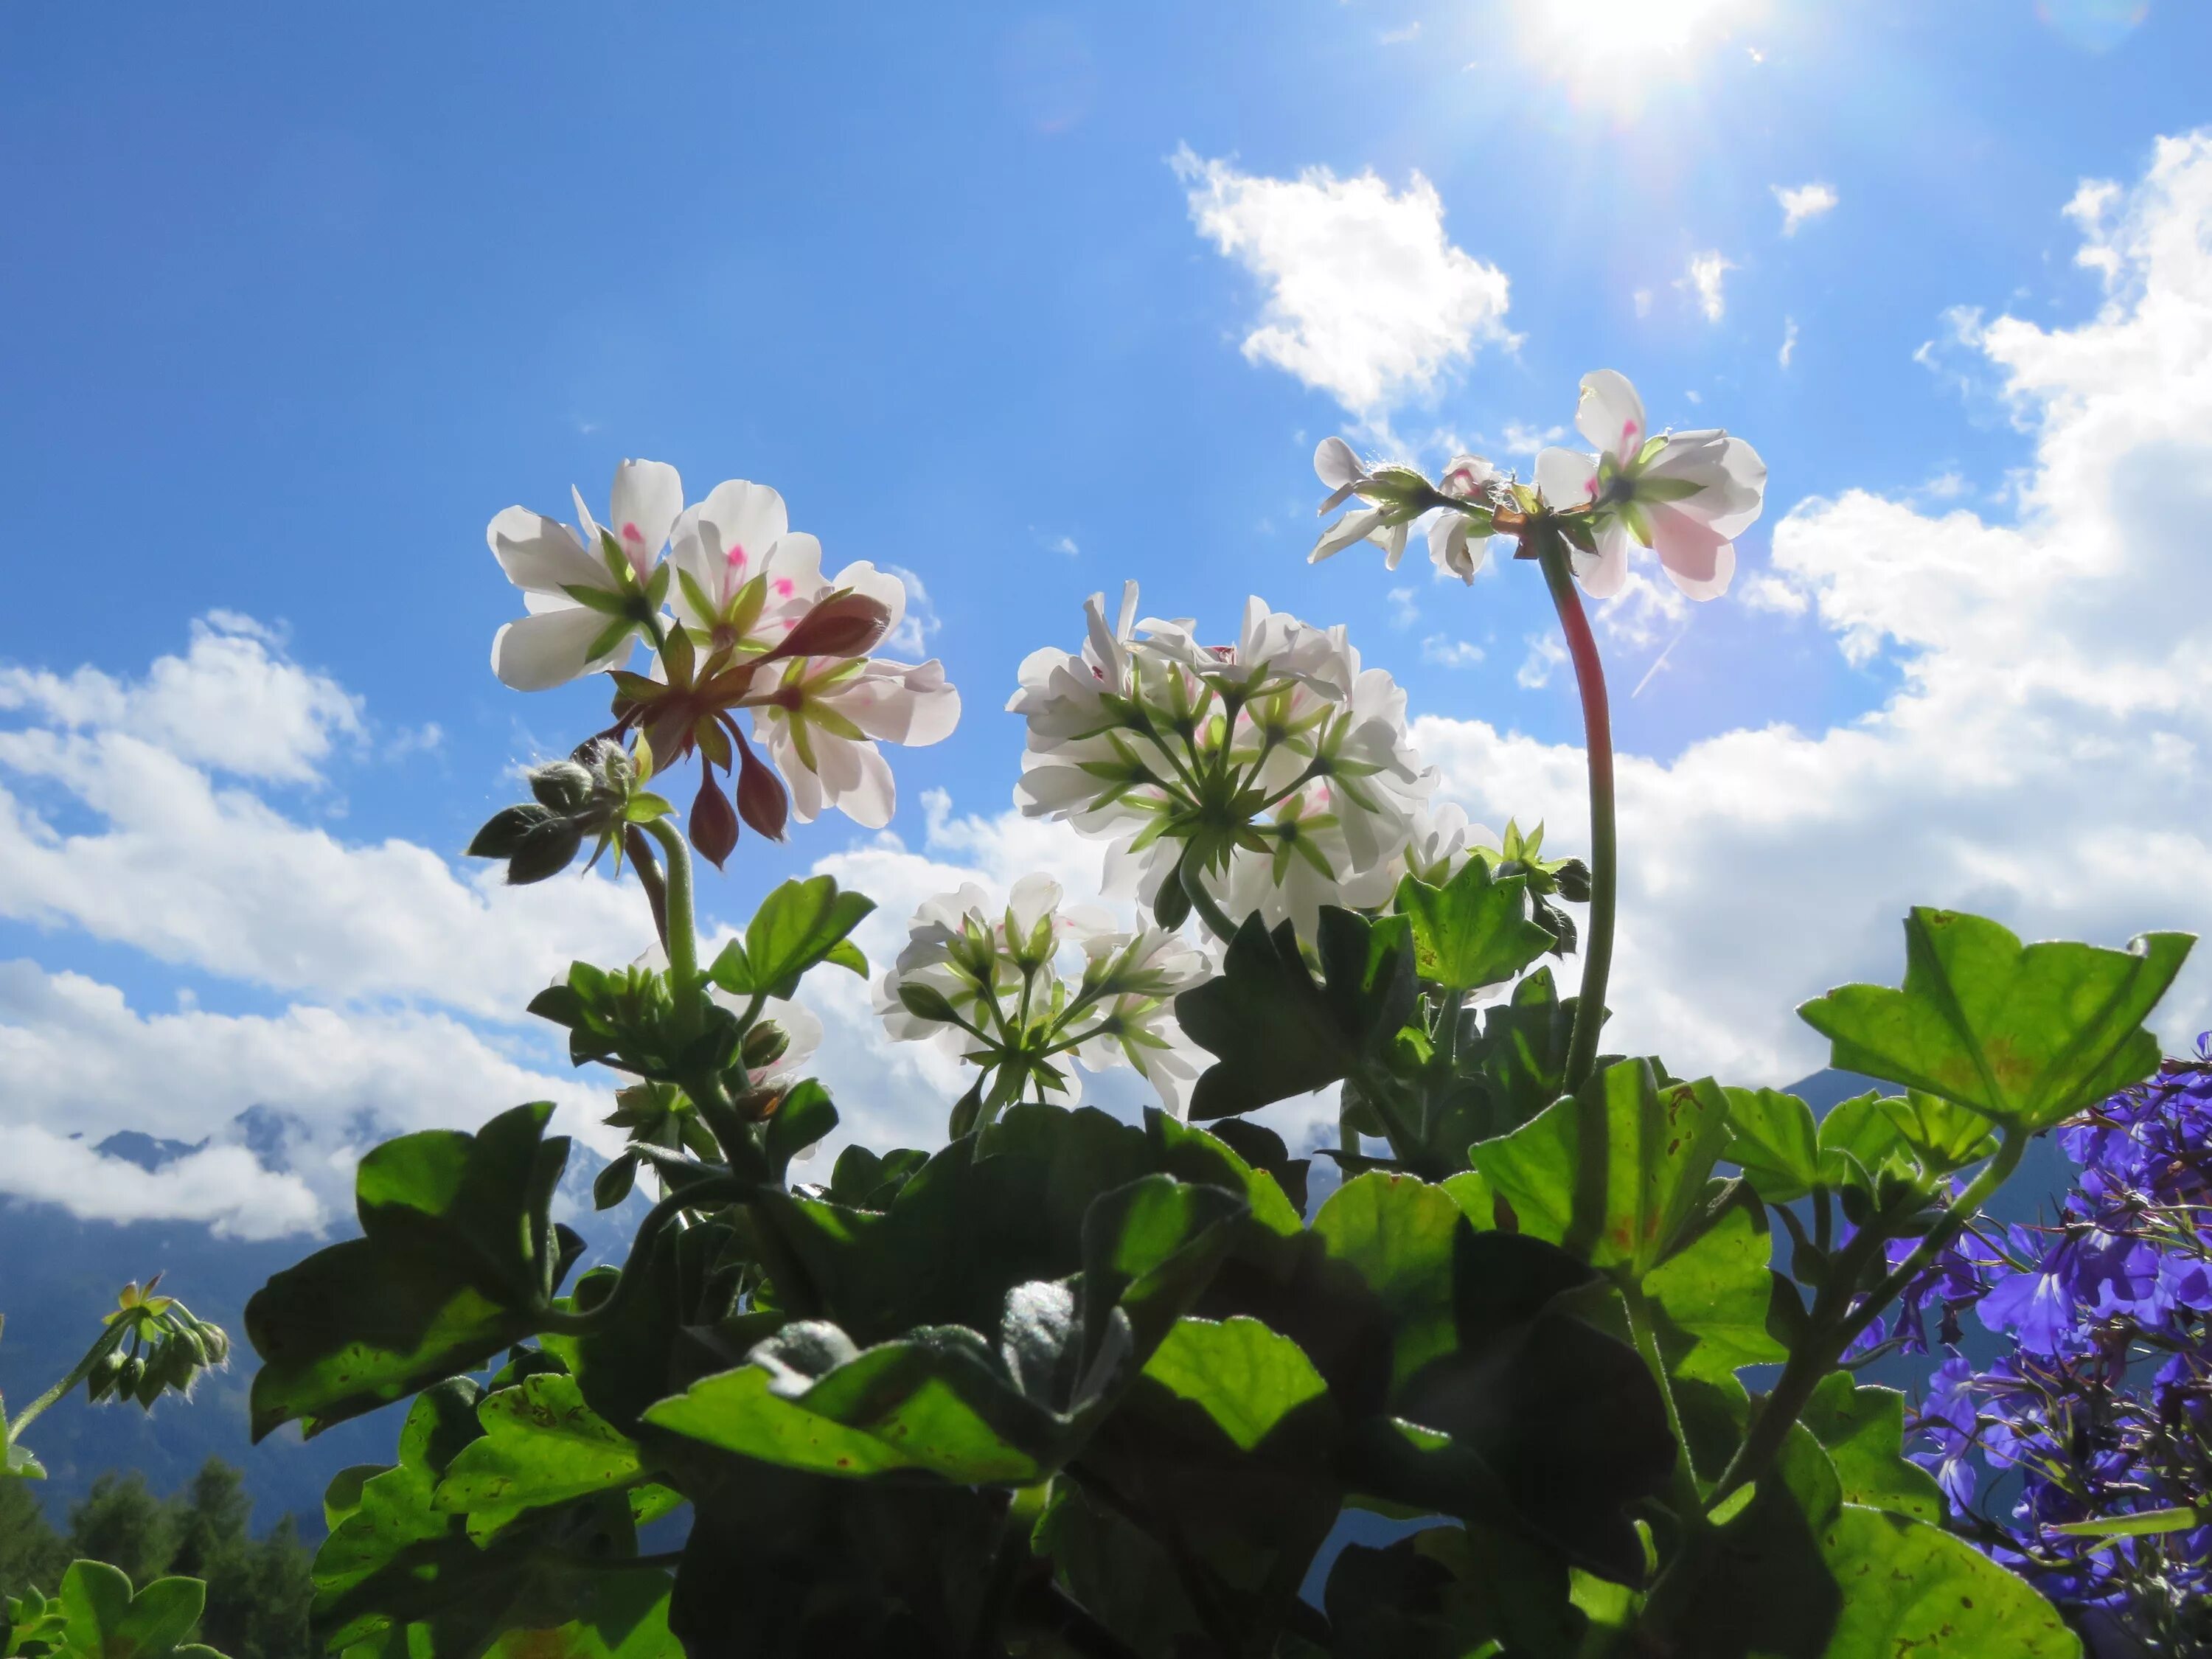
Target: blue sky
297,298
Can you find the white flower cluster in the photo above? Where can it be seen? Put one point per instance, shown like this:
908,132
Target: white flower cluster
1686,495
741,617
1270,775
1022,989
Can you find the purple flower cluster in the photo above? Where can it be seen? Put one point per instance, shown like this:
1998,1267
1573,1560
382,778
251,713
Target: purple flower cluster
2102,1406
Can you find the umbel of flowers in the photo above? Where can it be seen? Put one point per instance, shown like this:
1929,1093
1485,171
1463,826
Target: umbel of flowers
1072,1385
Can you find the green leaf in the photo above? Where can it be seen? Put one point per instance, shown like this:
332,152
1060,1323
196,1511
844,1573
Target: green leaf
2024,1034
1473,931
2142,1523
1148,1249
1774,1139
19,1462
105,1620
1612,1174
1275,1031
1863,1429
802,1118
458,1259
1246,1377
1401,1237
1715,1299
1522,1053
1858,1140
800,924
542,1444
1913,1589
930,1402
398,1572
1945,1135
1449,1592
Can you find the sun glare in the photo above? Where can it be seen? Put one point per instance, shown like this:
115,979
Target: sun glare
1604,46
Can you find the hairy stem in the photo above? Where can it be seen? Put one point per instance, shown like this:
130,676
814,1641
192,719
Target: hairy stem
649,876
1604,853
109,1339
1203,903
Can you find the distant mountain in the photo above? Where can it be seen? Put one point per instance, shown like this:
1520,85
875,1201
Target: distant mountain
59,1277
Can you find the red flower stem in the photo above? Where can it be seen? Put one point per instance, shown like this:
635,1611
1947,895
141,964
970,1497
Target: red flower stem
1605,851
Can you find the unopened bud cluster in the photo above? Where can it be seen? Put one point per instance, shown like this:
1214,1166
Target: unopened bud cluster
154,1345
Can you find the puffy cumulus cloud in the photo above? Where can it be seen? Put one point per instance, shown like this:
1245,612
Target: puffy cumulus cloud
2044,759
75,1057
1366,298
232,702
165,858
225,1187
1802,201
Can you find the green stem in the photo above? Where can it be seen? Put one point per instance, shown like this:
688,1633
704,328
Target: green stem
682,932
1604,853
698,1195
1689,1504
109,1339
1203,903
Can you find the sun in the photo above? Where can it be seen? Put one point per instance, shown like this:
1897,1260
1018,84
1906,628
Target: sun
1597,45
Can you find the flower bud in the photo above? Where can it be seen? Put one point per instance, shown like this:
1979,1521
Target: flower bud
562,786
844,624
763,801
714,826
101,1381
765,1044
927,1002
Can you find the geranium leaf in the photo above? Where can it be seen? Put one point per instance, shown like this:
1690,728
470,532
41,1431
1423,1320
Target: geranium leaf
798,925
1863,1429
1774,1139
1473,931
2026,1035
542,1444
458,1259
1613,1174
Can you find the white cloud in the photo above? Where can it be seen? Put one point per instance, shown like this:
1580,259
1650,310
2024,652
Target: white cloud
1545,653
1365,297
1404,611
74,1052
1703,281
1065,544
232,703
2044,758
1522,438
1399,37
1447,653
1643,299
1788,342
161,857
223,1186
1802,201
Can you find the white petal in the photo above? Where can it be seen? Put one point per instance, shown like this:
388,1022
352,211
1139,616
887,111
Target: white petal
748,519
1693,552
1566,478
548,649
1033,898
1450,548
1336,465
1611,416
1465,476
644,503
1352,527
867,794
912,706
1732,477
1393,542
541,555
1603,573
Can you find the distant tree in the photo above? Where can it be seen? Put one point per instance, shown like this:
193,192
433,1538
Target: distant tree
31,1551
124,1524
258,1590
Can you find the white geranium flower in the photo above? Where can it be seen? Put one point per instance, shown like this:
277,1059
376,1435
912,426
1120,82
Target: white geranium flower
743,577
1395,495
1686,495
1458,540
1443,839
587,590
1224,765
999,985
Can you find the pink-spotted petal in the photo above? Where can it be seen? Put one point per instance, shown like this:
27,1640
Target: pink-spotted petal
1611,416
646,498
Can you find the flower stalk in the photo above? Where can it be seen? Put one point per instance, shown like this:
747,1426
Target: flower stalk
1605,848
